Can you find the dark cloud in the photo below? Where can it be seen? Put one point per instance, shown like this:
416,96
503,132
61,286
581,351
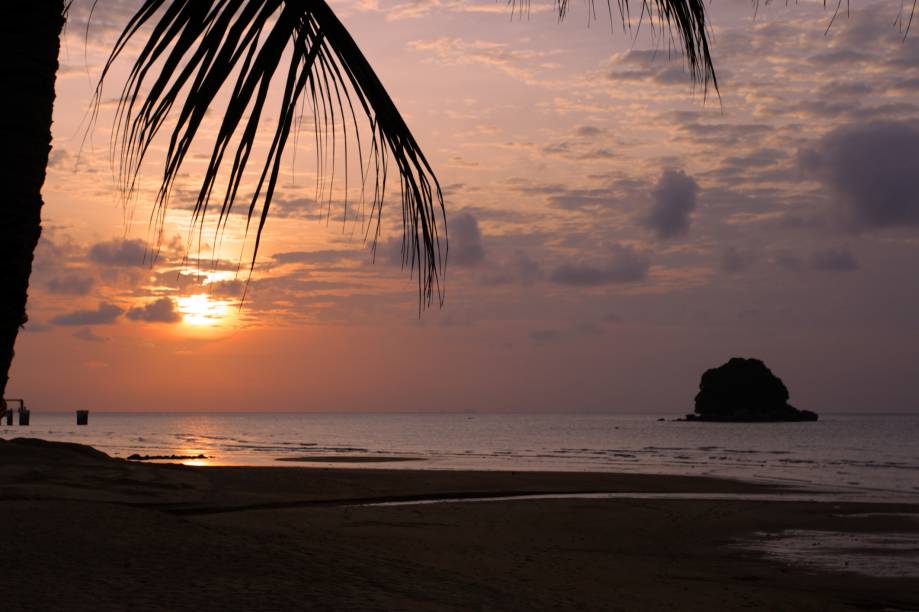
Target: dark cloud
162,310
558,148
229,288
184,282
70,284
649,65
756,159
104,314
588,131
721,135
807,220
872,171
789,261
582,145
88,335
674,199
736,260
545,335
906,85
846,88
581,199
54,252
388,252
502,215
35,326
565,198
834,260
839,58
465,241
520,269
626,265
526,270
119,253
58,157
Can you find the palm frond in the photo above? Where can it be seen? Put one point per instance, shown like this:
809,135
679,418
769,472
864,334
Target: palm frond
684,23
194,50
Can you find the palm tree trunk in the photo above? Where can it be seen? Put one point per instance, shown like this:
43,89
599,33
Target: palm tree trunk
29,42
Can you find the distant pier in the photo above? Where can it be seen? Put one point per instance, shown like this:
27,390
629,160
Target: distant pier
22,411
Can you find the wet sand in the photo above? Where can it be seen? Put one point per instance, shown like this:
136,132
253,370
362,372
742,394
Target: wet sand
82,531
348,459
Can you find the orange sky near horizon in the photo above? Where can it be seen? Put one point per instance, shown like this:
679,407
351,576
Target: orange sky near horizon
612,233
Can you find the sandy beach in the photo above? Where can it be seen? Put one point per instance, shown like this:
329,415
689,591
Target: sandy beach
82,531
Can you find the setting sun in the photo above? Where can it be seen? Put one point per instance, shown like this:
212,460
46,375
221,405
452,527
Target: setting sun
201,310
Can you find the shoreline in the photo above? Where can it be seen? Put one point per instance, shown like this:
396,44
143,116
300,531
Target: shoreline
408,465
103,533
843,453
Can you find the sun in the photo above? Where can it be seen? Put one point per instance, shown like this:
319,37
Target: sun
201,310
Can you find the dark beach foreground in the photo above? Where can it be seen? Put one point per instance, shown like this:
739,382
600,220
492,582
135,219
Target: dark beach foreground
82,531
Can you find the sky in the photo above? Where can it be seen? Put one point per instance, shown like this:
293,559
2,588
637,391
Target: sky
613,230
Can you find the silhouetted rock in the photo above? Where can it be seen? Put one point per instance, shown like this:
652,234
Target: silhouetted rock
136,457
745,390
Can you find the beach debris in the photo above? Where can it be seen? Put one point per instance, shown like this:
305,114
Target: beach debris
745,390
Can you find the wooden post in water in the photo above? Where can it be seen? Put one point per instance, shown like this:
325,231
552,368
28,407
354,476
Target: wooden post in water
23,411
82,417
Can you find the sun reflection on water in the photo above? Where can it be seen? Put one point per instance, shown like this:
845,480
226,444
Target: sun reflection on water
195,457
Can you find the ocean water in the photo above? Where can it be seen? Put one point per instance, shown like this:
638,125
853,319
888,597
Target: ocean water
871,455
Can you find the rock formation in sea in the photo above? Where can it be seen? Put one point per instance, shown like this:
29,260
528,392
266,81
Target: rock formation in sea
745,390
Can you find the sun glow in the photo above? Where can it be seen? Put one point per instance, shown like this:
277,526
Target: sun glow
201,310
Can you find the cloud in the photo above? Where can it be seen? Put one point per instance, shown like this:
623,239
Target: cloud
588,131
565,198
650,66
324,256
788,261
89,335
162,310
834,260
465,241
119,253
626,265
70,284
674,198
35,326
228,288
521,268
545,335
513,61
872,171
525,269
104,314
734,260
58,157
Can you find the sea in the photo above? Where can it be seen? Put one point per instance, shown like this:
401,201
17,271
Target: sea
873,456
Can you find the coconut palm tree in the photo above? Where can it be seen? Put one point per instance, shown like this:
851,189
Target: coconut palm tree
191,52
29,44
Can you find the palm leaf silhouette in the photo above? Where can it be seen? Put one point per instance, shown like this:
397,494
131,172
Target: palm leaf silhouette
196,49
684,24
